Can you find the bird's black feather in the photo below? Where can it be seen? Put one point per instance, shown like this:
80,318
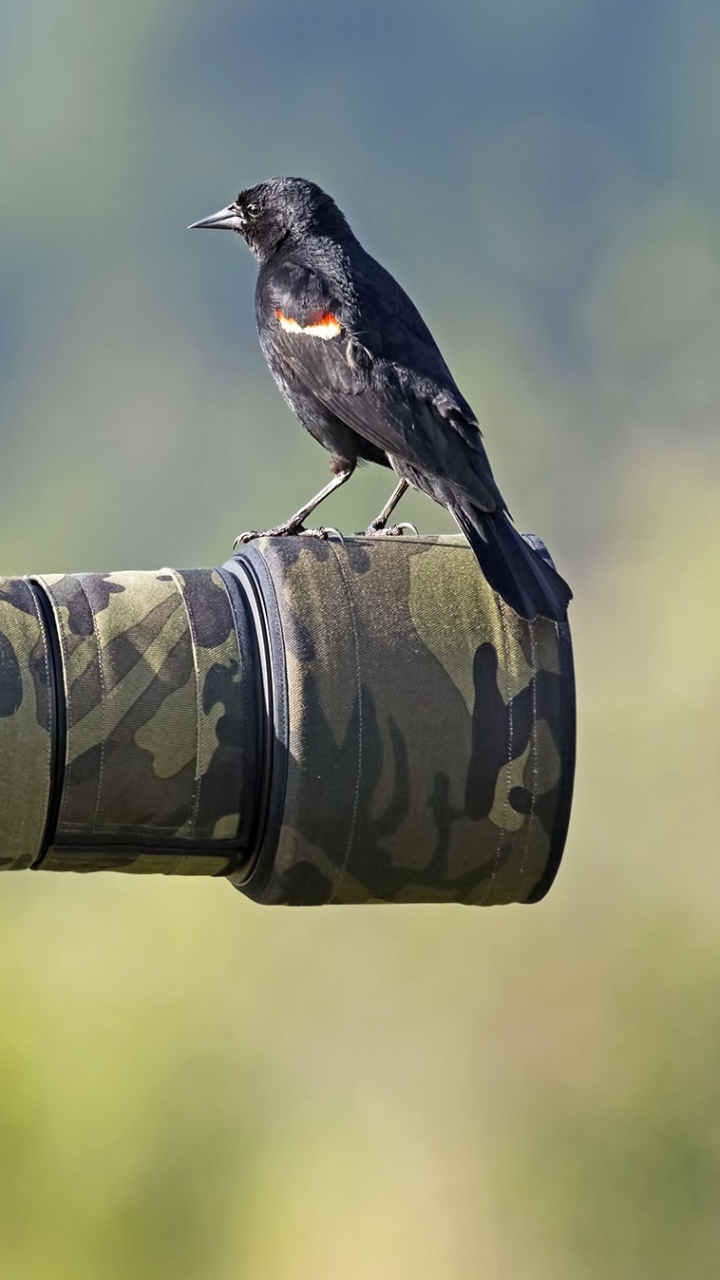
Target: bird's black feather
355,360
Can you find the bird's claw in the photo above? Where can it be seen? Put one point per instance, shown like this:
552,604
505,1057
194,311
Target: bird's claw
279,531
242,538
395,530
288,531
324,531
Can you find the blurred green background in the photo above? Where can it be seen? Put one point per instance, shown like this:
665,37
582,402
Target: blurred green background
190,1085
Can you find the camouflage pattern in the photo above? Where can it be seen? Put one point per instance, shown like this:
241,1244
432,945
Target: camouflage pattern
430,745
422,738
153,689
26,729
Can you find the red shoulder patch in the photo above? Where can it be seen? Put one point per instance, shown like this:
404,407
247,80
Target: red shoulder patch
325,326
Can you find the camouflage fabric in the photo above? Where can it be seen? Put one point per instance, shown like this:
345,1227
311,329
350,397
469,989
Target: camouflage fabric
25,726
430,731
153,693
322,722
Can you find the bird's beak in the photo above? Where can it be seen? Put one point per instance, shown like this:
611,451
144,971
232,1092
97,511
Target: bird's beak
228,219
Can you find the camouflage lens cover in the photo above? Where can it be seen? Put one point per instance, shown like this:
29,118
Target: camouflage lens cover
26,726
153,687
321,721
428,753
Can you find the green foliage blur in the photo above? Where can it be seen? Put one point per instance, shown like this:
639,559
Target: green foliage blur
192,1086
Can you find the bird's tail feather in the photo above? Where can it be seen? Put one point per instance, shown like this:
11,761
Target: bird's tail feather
517,572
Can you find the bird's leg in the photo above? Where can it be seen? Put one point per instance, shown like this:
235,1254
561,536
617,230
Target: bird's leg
378,524
295,523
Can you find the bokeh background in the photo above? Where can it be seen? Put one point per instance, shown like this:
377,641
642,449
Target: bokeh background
190,1085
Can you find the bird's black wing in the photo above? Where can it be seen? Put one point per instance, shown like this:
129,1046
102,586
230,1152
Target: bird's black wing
375,373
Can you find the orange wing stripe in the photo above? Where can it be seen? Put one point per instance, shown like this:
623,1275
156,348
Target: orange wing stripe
326,326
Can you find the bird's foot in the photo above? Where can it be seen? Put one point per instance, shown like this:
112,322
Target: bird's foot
394,531
286,530
325,531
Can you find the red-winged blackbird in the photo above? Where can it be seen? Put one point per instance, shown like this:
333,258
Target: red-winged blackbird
356,362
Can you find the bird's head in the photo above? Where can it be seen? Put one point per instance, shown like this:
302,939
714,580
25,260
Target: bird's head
273,211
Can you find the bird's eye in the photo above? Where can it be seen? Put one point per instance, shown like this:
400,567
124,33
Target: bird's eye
252,210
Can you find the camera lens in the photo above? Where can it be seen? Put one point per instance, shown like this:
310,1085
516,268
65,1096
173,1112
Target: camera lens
320,720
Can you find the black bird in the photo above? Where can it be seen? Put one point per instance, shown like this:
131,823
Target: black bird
356,362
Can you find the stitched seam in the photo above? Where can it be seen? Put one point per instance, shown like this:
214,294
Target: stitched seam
533,753
109,828
568,716
195,806
51,713
103,703
356,798
39,847
506,656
